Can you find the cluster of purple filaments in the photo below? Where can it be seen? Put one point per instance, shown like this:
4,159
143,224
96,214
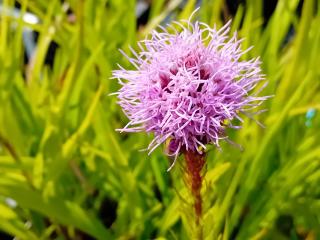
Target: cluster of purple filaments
187,86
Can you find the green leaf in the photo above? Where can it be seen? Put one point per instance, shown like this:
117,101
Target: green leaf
65,212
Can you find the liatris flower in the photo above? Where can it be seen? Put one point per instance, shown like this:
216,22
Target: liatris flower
188,86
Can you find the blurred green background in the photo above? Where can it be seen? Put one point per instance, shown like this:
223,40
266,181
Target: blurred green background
65,173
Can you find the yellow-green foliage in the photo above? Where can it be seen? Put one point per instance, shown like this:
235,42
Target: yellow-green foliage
73,176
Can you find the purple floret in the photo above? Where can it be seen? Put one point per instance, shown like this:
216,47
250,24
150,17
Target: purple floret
187,86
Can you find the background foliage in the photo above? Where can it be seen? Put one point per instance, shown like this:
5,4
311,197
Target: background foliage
66,174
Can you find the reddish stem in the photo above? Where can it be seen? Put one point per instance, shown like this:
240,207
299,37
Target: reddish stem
194,165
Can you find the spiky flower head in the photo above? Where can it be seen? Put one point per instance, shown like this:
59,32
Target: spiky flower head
187,86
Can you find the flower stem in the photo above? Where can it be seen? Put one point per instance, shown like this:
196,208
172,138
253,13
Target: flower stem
194,165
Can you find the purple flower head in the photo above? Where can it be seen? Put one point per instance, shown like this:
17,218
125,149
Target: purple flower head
188,86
